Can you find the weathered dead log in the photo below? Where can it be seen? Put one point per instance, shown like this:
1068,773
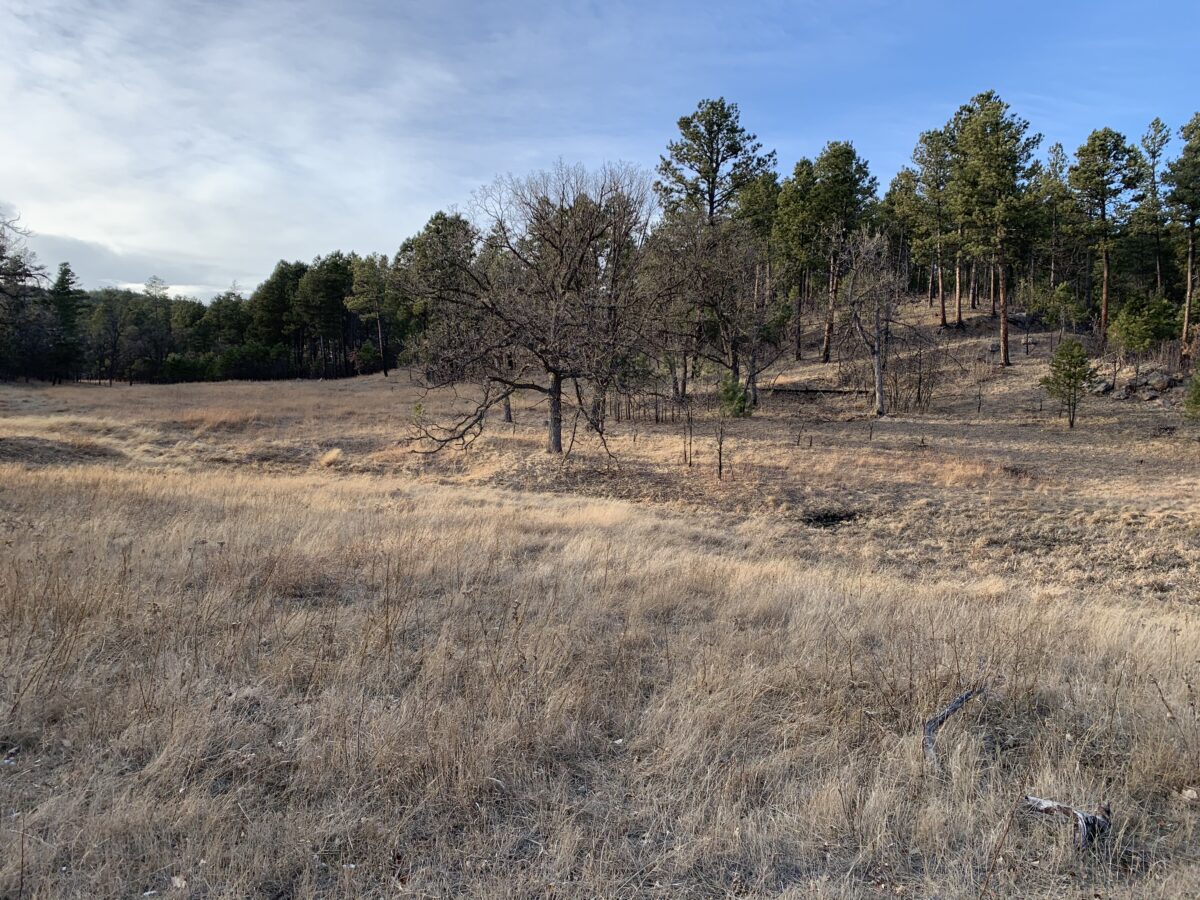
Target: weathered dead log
1089,827
934,724
817,390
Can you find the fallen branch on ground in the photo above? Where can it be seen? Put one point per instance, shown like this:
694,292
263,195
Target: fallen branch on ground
1088,826
817,390
932,726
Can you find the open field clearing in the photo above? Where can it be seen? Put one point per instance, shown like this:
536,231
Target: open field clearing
253,646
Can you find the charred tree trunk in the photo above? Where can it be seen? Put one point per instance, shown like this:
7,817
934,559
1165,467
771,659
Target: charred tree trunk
554,438
1104,274
1004,361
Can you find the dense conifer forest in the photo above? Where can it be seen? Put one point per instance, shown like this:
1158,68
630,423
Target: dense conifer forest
725,260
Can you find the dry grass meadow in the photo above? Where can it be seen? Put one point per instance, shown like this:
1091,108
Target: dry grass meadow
252,646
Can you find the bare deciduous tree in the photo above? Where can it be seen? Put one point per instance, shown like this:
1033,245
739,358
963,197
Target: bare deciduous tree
872,298
549,300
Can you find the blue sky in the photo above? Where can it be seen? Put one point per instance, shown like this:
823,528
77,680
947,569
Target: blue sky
203,141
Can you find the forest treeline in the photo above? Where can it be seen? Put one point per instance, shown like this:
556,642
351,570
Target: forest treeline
576,283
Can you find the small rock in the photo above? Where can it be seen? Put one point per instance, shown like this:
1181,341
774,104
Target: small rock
1102,387
1189,794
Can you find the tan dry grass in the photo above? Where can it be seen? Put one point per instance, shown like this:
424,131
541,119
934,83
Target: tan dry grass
225,672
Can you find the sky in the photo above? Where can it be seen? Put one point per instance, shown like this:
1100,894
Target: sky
204,141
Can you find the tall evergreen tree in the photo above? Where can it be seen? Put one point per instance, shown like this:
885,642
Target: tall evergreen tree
995,153
796,238
375,296
66,299
842,193
1151,215
932,159
1106,169
320,305
1183,181
713,160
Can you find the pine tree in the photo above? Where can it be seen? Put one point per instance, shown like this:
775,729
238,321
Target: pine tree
932,158
1106,169
1070,375
66,299
712,161
993,165
842,192
1150,213
1183,179
796,237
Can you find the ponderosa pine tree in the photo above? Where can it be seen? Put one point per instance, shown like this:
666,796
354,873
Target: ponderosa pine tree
1070,374
375,296
320,308
713,160
1106,169
932,159
1183,182
994,163
1056,214
1150,215
841,196
66,299
796,239
902,214
274,321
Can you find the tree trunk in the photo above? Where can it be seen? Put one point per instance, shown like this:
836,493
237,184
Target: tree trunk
958,319
992,286
827,338
1104,269
554,441
1158,260
878,360
382,348
930,292
1185,347
1004,361
941,287
974,287
507,408
799,313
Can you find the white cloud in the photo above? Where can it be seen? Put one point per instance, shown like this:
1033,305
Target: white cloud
203,140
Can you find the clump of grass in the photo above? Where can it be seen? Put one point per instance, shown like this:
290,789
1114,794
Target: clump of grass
331,458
